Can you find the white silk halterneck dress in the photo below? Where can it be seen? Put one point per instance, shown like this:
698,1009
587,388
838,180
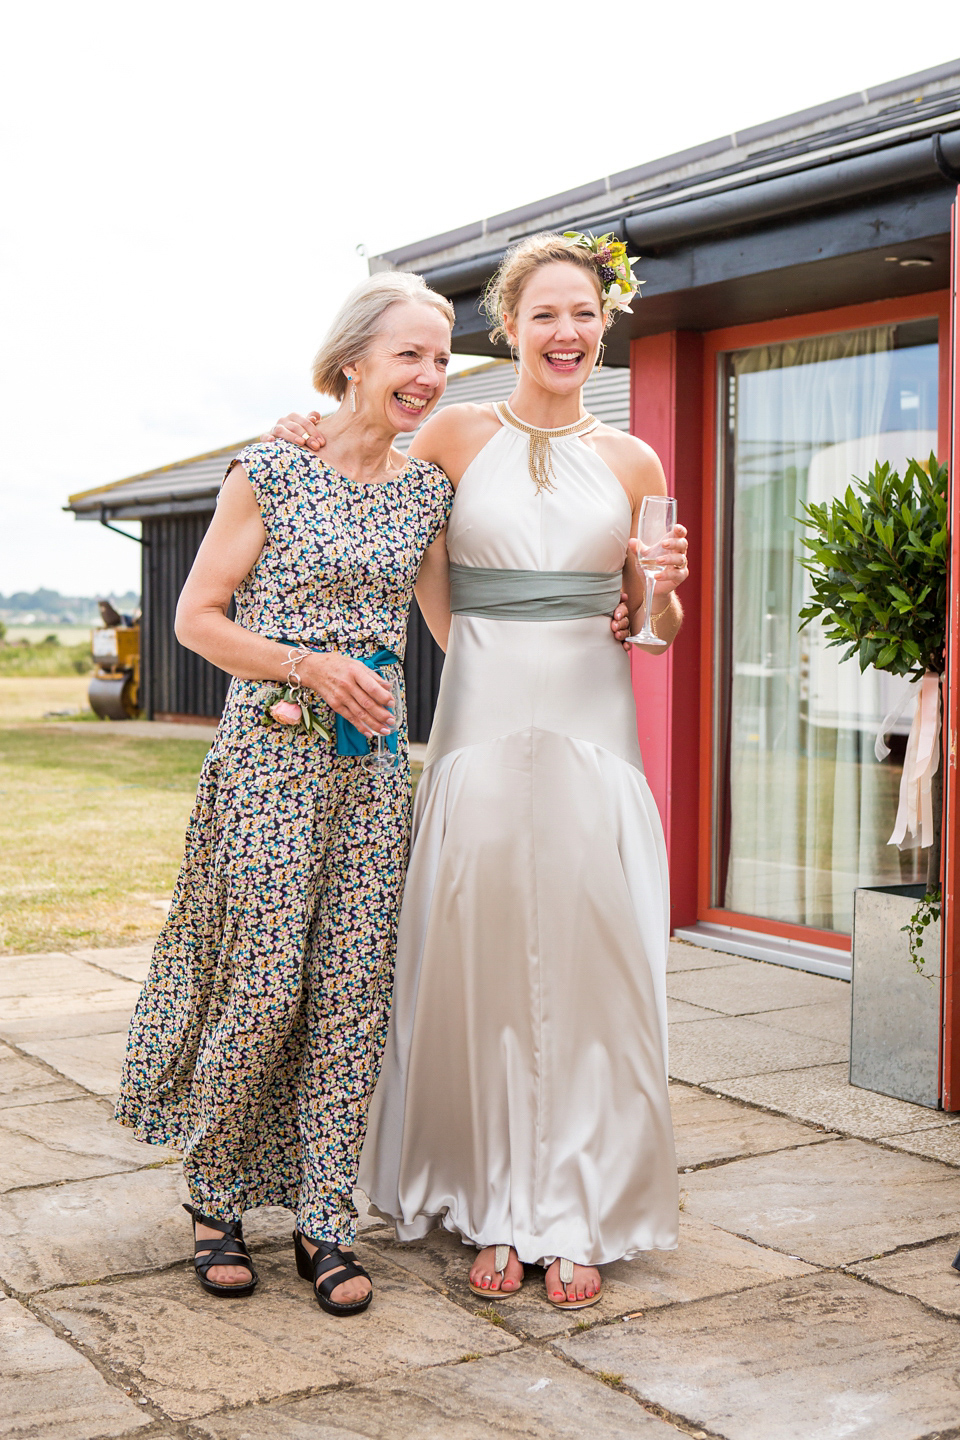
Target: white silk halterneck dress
523,1096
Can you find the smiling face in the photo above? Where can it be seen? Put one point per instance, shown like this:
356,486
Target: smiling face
558,326
404,372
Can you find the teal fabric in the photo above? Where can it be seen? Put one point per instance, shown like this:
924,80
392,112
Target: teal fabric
532,594
349,739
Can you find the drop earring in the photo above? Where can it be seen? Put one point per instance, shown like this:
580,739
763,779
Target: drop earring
353,395
513,357
601,353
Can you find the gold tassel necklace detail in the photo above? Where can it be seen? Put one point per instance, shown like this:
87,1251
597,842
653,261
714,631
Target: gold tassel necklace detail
539,459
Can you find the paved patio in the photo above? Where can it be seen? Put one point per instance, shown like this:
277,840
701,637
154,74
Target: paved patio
811,1297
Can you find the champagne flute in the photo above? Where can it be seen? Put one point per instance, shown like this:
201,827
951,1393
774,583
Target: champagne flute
382,760
658,515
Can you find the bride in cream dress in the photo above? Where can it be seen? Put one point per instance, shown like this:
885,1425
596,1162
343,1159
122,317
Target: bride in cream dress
523,1098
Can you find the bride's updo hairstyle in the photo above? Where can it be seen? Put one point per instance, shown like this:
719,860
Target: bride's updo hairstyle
502,295
360,319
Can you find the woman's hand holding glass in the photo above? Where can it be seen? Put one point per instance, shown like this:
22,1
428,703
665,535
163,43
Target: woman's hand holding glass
382,759
352,690
660,552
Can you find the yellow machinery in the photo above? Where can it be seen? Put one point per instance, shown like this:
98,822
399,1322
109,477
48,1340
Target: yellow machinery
115,688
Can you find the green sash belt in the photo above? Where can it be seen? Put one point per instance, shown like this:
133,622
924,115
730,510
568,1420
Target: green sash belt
533,594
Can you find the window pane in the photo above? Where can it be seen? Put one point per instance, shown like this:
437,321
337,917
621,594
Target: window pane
802,808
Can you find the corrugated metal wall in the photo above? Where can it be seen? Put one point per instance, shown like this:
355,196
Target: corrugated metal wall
421,671
175,681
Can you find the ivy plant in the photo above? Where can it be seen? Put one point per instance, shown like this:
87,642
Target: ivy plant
878,564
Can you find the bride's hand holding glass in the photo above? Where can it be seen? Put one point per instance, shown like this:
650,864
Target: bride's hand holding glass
660,553
675,569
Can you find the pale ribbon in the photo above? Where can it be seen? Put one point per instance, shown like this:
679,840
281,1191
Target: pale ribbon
914,826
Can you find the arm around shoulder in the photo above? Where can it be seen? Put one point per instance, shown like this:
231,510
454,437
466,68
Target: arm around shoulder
452,437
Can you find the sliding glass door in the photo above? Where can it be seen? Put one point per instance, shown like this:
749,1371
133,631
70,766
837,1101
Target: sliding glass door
802,810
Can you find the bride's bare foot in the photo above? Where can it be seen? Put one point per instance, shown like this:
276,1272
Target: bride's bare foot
585,1283
484,1276
220,1274
352,1291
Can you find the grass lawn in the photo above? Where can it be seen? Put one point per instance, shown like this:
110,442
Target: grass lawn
94,832
95,819
30,697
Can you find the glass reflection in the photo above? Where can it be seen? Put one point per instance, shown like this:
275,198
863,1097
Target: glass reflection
802,809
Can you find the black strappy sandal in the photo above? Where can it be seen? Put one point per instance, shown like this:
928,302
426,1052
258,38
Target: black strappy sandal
327,1259
228,1249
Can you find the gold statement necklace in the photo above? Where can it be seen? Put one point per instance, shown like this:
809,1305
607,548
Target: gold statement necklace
539,458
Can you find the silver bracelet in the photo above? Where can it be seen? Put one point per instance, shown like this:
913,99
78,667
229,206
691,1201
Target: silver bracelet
293,659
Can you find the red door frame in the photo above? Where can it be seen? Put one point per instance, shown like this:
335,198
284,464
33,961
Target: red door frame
825,322
665,389
950,926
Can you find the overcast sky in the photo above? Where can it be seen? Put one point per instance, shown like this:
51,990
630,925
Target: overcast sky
187,185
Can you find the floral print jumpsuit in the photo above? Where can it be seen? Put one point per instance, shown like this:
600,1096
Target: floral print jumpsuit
256,1042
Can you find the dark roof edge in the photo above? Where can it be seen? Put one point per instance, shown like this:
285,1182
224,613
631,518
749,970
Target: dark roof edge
434,244
744,201
160,470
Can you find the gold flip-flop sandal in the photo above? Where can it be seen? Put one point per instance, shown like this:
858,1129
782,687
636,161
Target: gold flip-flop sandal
501,1260
566,1278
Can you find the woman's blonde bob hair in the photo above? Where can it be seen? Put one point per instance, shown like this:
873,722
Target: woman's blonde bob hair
360,318
503,293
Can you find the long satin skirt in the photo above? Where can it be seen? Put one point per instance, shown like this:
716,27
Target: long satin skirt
523,1097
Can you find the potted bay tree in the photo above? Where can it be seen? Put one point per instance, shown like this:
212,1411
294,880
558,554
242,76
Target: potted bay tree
877,558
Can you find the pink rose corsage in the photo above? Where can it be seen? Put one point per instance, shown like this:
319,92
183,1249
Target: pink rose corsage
288,704
286,712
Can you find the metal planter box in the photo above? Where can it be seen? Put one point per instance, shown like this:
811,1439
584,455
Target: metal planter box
895,1012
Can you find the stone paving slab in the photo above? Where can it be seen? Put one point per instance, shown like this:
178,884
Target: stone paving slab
706,1262
827,1020
526,1395
732,1047
80,1232
67,1140
49,1391
830,1204
940,1143
816,1359
92,1061
708,1128
926,1273
748,988
129,961
682,956
824,1096
35,985
65,1025
678,1010
87,1230
192,1354
23,1083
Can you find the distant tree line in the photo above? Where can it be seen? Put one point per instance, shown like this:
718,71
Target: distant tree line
50,607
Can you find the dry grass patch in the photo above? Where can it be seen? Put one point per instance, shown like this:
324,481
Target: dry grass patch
94,832
30,697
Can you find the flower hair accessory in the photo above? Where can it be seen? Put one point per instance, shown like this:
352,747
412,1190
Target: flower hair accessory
617,281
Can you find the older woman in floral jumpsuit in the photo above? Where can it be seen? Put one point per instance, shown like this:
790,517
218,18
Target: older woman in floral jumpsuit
257,1040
